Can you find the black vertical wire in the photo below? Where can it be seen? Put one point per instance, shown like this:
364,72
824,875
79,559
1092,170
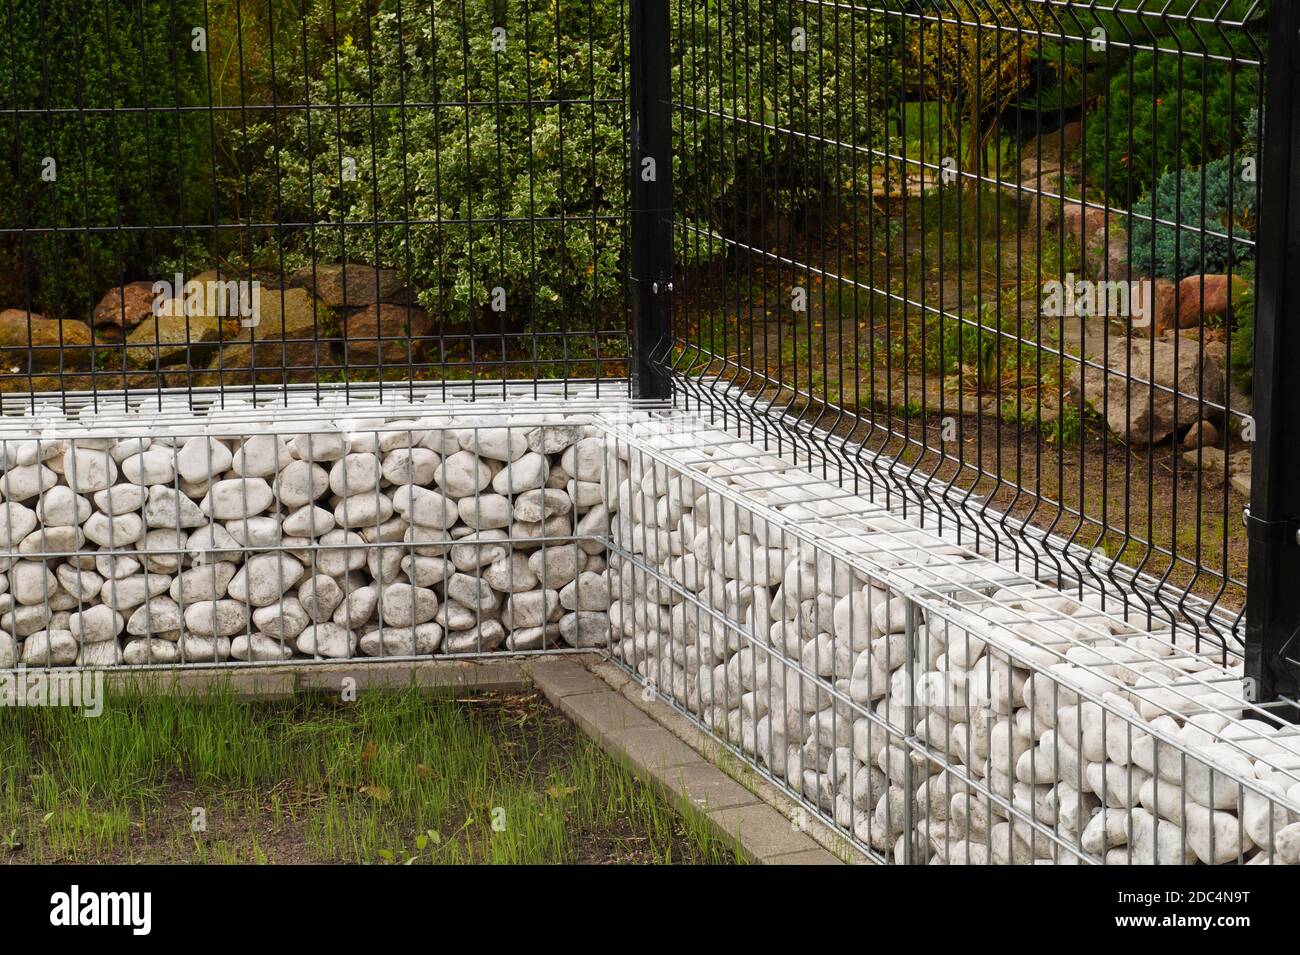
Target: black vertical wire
179,111
407,292
535,356
467,98
499,10
593,187
624,349
278,230
375,210
312,218
439,243
563,194
342,191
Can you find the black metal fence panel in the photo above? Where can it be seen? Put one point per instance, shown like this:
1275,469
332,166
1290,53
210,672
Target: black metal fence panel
275,192
998,258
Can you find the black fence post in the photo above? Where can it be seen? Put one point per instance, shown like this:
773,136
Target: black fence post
651,197
1273,519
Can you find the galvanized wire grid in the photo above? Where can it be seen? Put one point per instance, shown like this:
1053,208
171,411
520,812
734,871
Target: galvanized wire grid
899,684
909,180
305,530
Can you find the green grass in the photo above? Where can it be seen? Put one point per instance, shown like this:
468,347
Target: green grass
392,778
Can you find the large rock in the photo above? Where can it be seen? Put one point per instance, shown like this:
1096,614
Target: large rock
290,314
268,363
1209,296
1107,255
126,306
351,285
292,340
387,333
31,342
178,339
1083,222
1164,295
1138,412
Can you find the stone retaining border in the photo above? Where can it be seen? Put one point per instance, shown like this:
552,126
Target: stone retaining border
299,529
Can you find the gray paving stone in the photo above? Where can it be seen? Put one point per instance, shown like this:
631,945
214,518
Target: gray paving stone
703,786
761,830
602,714
561,677
652,750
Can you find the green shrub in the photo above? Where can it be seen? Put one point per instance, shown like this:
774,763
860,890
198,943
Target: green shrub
1211,199
461,198
765,163
85,73
1165,111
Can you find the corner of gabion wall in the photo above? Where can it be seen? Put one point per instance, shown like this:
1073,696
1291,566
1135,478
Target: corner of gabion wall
926,701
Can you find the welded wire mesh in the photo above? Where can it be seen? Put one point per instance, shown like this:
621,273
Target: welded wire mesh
300,530
233,193
1003,253
928,702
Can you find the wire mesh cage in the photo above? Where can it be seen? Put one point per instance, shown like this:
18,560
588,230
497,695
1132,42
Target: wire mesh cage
300,530
929,702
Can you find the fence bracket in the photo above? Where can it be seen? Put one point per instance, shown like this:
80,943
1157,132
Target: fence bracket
1282,531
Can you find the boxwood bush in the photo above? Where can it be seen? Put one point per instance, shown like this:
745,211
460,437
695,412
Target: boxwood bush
481,181
529,195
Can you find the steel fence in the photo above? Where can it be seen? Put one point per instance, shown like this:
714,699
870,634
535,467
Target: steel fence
1001,261
1002,254
238,193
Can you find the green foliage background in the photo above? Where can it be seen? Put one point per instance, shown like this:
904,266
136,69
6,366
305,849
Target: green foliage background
757,112
481,179
115,165
460,193
1169,108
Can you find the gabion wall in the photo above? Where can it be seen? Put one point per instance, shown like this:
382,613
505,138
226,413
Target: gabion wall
179,539
931,704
